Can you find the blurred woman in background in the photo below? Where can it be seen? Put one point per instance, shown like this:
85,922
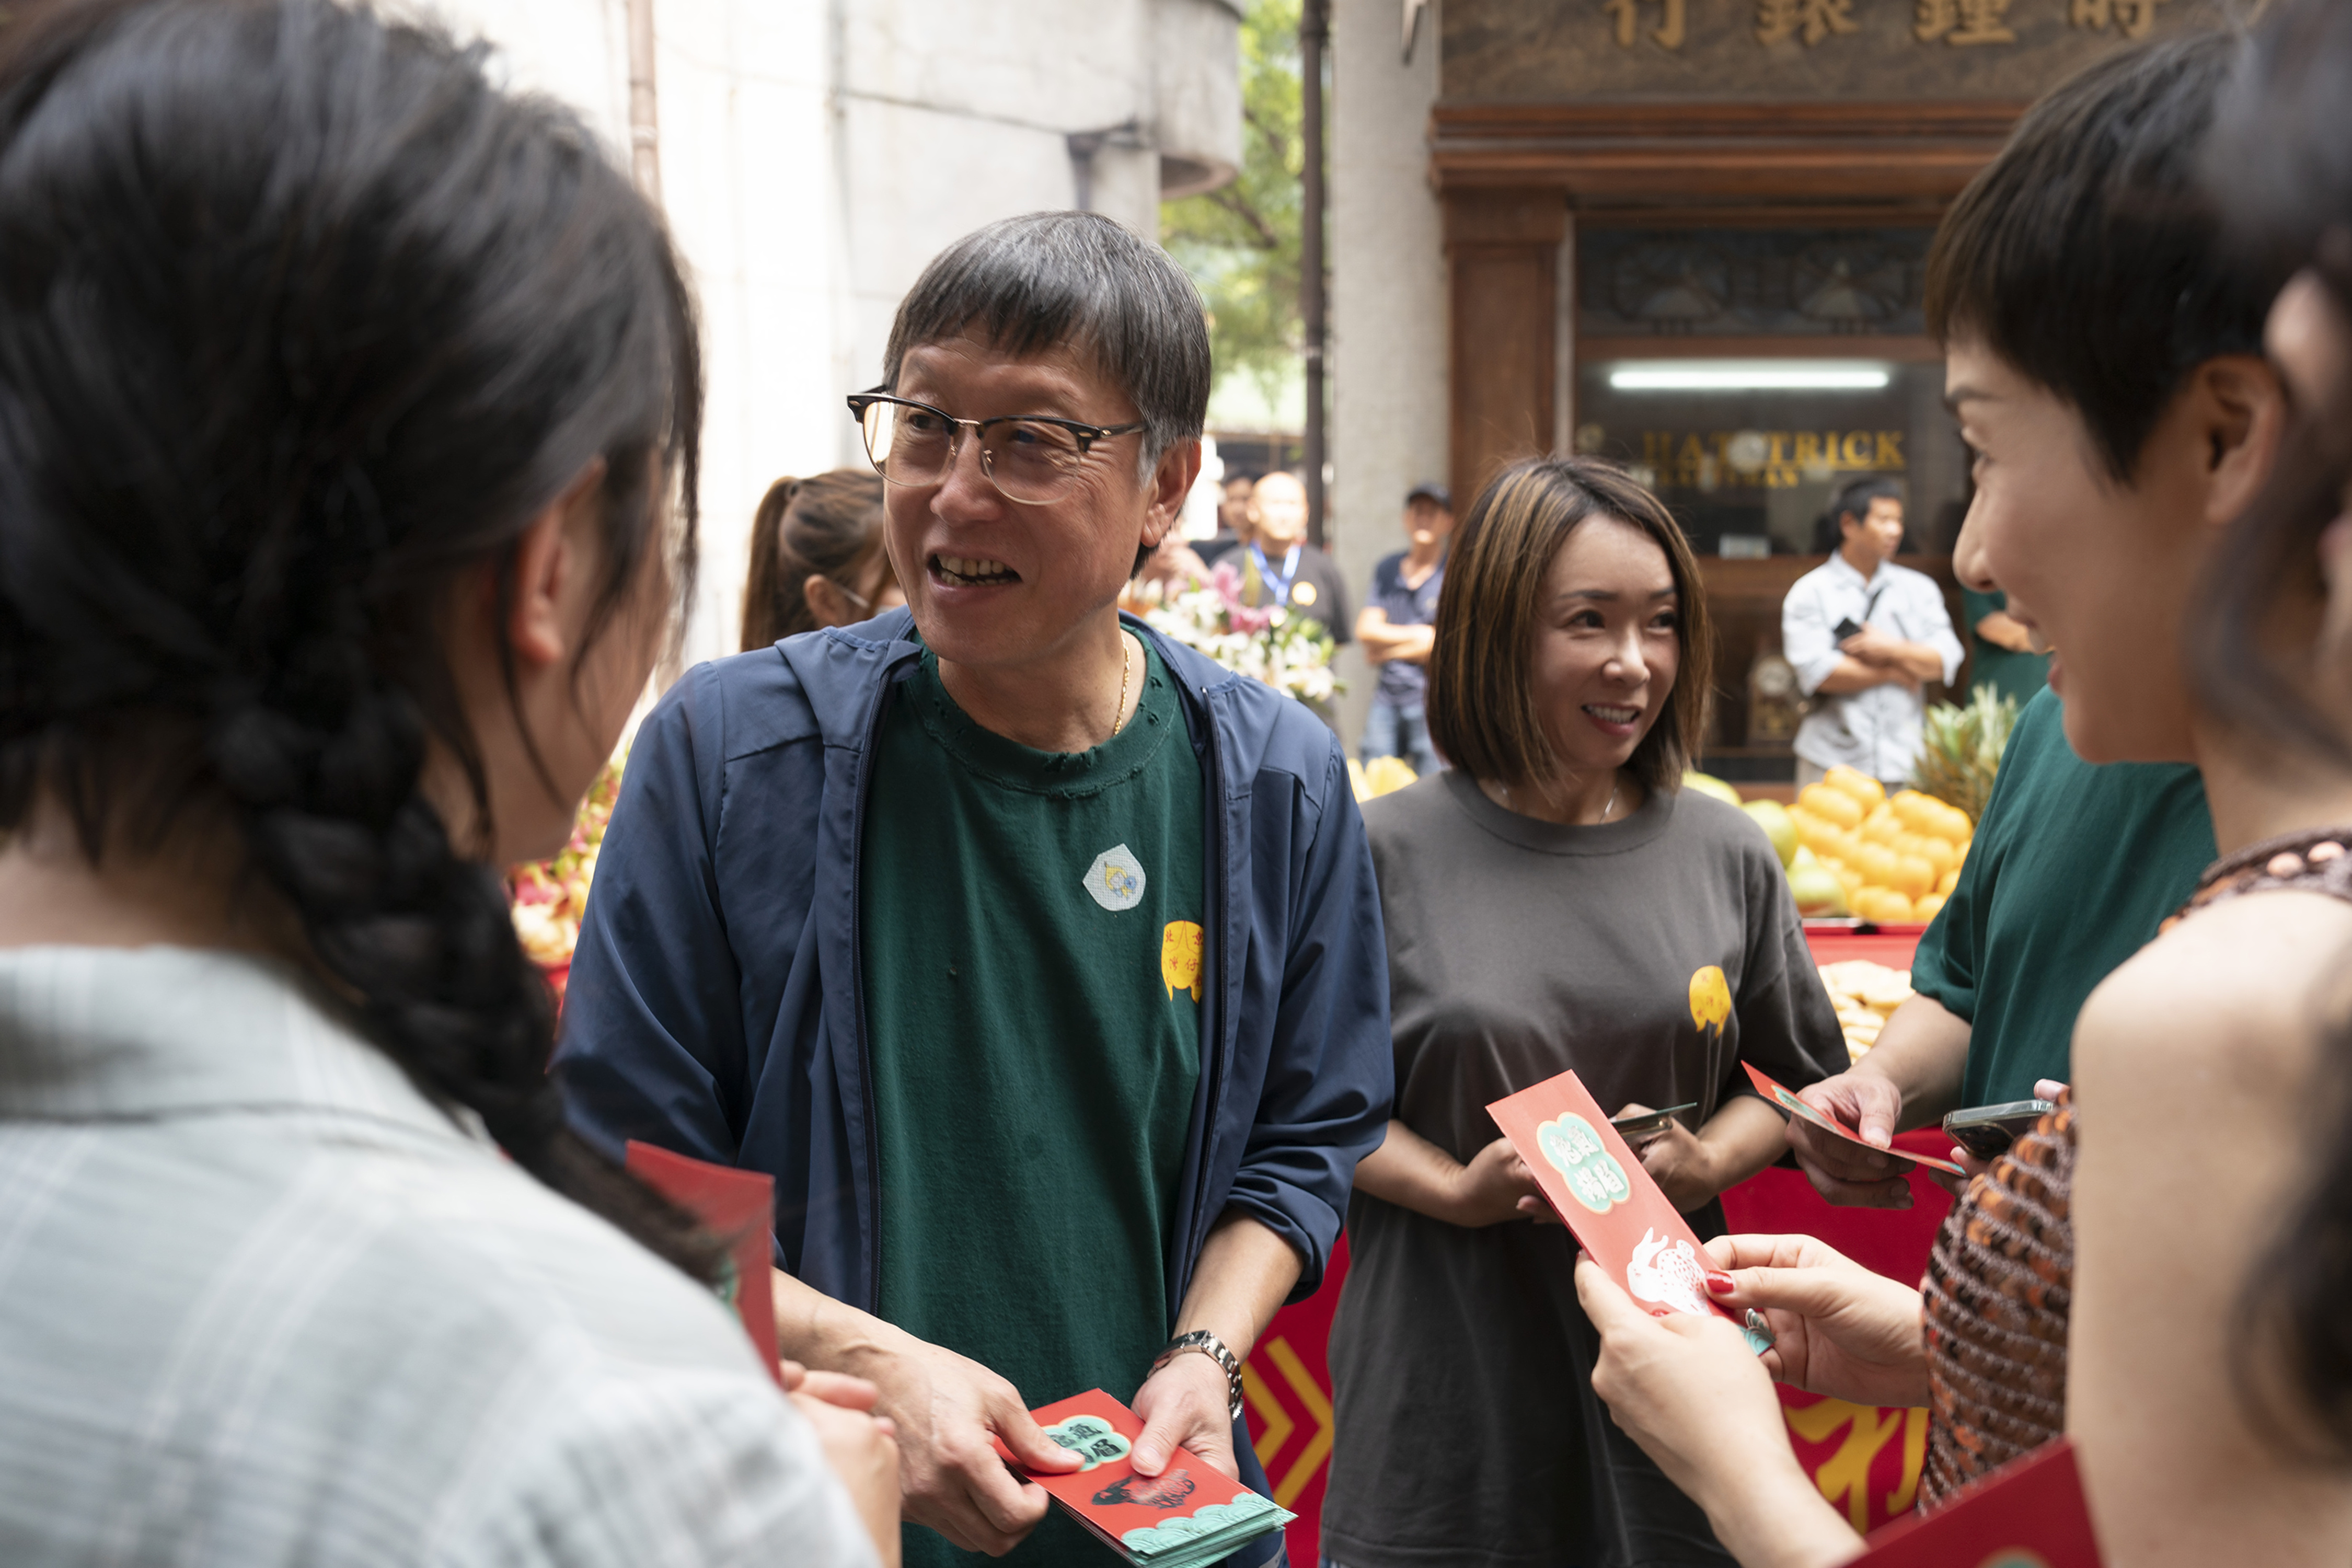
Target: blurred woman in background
816,557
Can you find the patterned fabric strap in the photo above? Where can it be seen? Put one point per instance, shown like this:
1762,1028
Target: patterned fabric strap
1995,1308
2314,861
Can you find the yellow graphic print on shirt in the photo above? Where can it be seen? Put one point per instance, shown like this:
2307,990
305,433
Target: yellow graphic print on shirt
1710,1000
1180,958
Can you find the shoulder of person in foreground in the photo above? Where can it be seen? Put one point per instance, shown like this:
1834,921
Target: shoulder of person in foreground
2202,1108
584,1402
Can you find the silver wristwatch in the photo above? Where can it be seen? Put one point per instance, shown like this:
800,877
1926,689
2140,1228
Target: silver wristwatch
1216,1349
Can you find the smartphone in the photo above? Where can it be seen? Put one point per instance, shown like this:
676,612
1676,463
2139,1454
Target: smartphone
1988,1131
1848,627
1645,1123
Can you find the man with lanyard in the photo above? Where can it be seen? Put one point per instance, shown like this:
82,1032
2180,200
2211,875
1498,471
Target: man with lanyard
1864,635
1279,567
1038,959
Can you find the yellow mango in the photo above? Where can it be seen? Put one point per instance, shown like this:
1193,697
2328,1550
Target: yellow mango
1831,805
1884,905
1914,878
1916,810
1867,791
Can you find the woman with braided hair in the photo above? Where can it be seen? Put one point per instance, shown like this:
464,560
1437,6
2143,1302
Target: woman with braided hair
348,414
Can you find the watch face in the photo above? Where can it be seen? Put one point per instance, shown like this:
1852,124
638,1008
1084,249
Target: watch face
1304,592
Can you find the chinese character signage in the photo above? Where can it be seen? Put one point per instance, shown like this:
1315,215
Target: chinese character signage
1881,50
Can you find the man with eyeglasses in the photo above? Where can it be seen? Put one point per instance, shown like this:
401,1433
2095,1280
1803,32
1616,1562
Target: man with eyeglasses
1037,958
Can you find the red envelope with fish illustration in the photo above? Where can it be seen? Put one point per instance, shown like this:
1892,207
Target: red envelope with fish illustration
1595,1183
739,1205
2027,1514
1187,1513
1786,1100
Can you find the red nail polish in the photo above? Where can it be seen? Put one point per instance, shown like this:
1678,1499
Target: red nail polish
1720,1283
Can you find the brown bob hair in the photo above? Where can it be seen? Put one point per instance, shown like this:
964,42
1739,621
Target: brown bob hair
830,526
1481,707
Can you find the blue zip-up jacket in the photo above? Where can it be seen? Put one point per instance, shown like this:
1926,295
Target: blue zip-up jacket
715,1005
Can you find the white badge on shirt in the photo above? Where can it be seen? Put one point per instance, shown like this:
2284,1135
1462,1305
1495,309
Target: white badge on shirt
1116,879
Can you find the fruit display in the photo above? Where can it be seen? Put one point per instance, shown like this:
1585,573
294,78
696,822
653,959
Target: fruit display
1962,749
1895,860
1864,994
1708,784
548,897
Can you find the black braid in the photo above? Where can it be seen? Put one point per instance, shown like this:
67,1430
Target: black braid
300,318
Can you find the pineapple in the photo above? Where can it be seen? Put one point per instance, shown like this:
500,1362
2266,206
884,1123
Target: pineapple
1963,749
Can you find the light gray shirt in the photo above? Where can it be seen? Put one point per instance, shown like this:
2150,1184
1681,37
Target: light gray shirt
1876,731
262,1303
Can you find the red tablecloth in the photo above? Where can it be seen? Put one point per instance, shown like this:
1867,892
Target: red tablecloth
1865,1460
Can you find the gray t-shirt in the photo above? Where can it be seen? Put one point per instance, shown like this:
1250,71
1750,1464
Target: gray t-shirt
1468,1431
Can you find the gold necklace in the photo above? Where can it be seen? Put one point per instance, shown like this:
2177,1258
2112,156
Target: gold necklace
1126,663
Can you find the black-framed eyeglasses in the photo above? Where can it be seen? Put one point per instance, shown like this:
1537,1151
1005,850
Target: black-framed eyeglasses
1029,458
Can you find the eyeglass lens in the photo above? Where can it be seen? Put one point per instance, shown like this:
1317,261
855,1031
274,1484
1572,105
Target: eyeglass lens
1029,460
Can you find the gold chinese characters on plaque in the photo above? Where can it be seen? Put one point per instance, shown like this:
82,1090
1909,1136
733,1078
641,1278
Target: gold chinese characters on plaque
1964,21
1960,24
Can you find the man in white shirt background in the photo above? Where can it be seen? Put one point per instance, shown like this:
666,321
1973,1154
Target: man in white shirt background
1865,636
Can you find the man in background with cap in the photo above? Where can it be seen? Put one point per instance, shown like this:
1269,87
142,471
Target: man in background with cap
1398,629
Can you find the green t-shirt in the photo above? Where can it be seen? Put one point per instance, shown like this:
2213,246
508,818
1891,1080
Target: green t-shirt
2018,674
1032,925
2073,868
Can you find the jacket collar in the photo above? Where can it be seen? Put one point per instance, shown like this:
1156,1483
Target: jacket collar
841,668
109,1033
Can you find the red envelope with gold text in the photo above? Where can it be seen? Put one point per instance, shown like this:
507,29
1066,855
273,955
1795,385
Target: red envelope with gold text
1595,1183
740,1207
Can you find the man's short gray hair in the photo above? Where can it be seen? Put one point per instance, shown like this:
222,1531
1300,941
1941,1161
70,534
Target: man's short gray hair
1078,281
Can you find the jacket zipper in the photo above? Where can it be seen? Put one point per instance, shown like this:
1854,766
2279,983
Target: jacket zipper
1210,1102
858,980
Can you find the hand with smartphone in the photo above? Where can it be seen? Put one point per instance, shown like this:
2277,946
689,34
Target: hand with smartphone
1987,1132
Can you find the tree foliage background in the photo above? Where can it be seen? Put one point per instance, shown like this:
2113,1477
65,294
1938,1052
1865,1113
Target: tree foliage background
1241,242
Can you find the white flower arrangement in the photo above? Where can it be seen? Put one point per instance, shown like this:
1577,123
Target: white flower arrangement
1289,652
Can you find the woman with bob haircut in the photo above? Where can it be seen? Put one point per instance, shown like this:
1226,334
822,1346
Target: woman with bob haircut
348,417
1555,900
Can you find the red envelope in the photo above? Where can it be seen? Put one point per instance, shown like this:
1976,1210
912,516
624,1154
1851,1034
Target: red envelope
1595,1183
1787,1101
2030,1511
737,1205
1138,1517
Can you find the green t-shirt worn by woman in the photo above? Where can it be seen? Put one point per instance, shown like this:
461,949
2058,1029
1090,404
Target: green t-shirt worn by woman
1030,923
2071,869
